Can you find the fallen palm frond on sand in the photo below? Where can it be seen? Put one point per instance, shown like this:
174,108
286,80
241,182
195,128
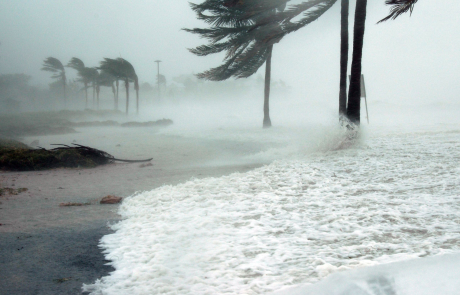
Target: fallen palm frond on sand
63,156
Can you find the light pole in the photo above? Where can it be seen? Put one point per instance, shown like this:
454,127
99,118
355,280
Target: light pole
158,76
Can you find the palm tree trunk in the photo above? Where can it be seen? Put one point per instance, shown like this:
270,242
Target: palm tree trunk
64,81
114,95
65,95
86,95
343,59
116,101
136,87
98,89
127,95
268,68
94,94
354,94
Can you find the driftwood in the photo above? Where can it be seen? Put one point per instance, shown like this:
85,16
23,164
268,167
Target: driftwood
63,156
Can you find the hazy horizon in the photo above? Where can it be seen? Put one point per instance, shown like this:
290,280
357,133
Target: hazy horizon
414,58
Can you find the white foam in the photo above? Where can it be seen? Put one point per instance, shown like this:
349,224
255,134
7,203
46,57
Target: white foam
391,198
428,276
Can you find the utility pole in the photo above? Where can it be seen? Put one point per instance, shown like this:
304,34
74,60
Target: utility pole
158,76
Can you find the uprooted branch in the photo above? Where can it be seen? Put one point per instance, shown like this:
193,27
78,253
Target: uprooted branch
61,156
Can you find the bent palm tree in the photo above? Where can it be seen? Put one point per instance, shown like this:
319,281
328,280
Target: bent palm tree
245,32
111,67
123,70
84,74
55,66
106,79
92,74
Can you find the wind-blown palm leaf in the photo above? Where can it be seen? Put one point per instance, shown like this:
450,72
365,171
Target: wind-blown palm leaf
312,10
54,65
76,64
249,24
399,7
85,75
118,68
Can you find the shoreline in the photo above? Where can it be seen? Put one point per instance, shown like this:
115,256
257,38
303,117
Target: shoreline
47,249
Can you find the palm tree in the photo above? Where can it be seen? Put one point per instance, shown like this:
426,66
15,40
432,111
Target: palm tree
129,74
343,59
84,74
123,70
354,94
399,7
267,123
111,67
92,75
108,80
55,66
247,31
248,43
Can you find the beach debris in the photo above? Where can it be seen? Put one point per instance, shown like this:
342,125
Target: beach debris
60,281
111,200
146,165
75,156
70,204
4,191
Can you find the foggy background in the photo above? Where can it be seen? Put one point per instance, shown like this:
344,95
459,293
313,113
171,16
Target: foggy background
413,60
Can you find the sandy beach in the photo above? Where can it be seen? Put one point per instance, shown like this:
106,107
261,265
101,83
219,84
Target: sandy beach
48,249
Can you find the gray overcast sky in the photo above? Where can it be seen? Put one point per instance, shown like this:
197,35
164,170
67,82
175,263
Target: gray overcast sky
413,58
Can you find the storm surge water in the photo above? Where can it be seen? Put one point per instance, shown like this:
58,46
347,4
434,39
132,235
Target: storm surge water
391,196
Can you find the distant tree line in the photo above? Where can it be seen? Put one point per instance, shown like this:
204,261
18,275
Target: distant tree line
109,74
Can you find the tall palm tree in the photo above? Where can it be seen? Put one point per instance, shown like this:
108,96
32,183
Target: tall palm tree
243,30
106,79
111,67
354,94
123,70
55,66
267,123
129,74
92,75
343,59
84,74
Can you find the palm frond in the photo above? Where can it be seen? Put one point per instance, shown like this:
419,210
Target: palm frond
399,7
55,66
52,64
76,64
246,29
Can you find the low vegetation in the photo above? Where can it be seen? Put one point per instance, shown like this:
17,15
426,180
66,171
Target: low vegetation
16,156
